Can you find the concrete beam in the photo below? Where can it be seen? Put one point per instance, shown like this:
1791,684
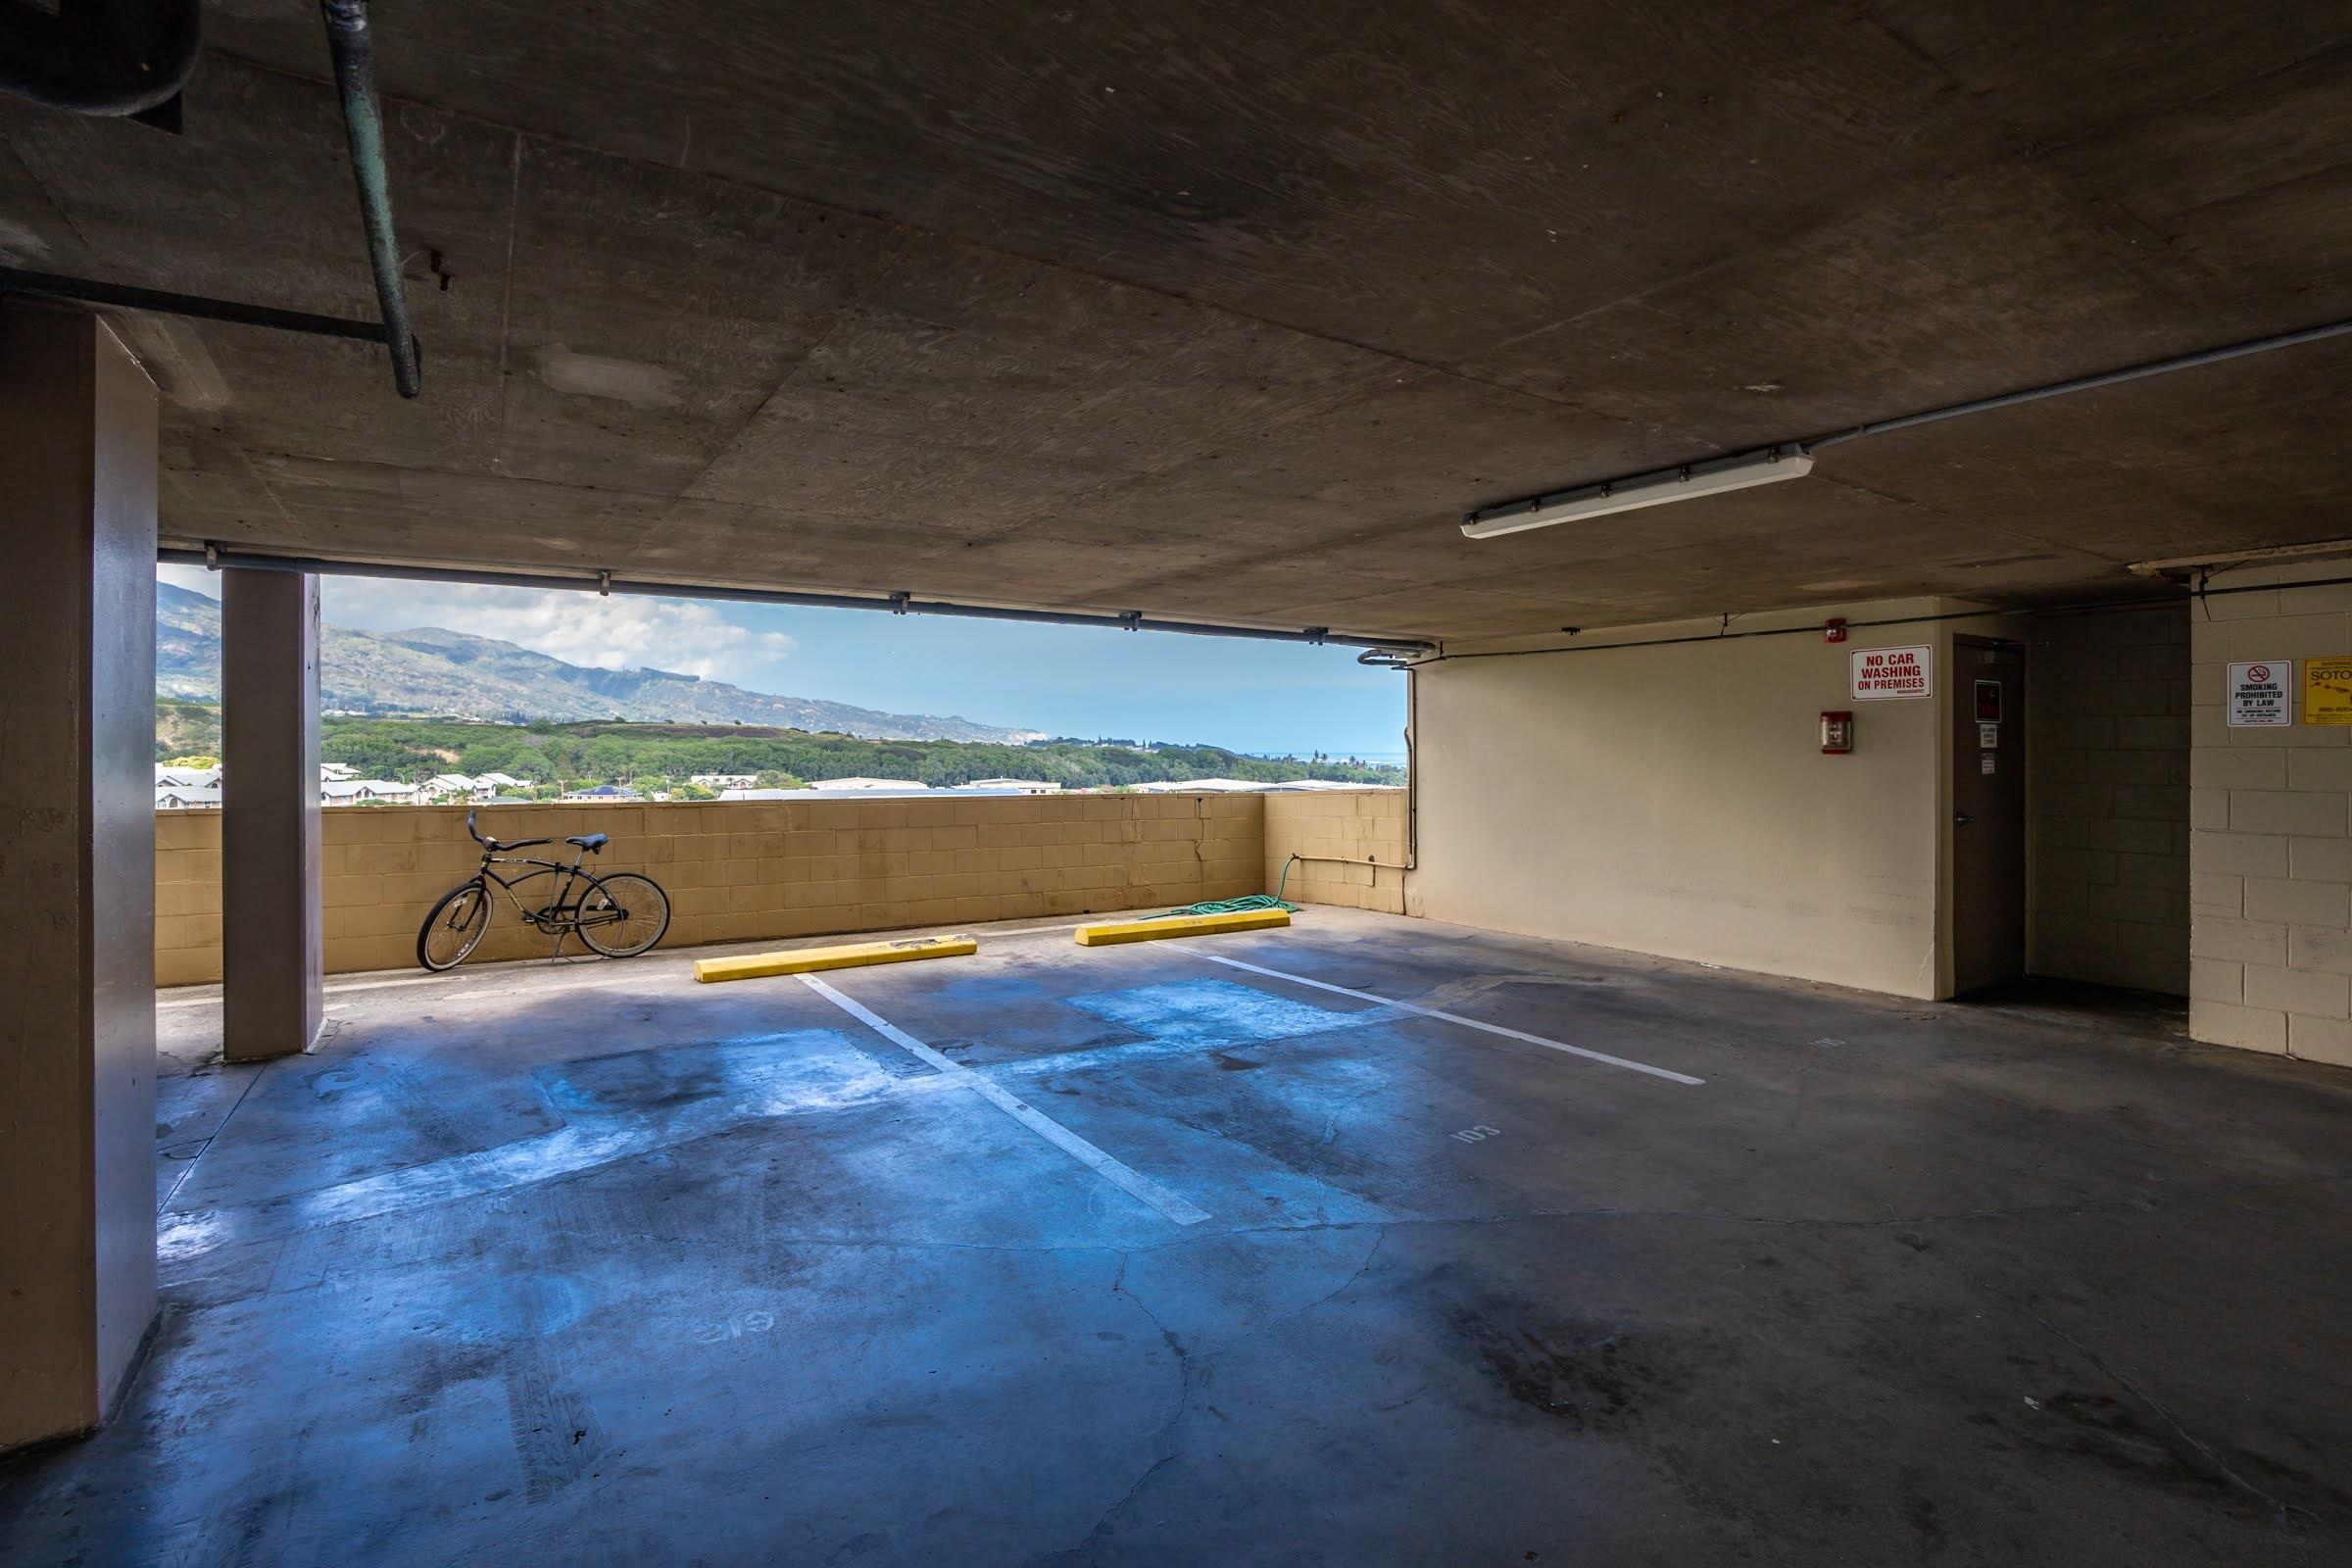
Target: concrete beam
273,933
77,488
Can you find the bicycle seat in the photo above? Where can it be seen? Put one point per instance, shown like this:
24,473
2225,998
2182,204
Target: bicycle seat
593,843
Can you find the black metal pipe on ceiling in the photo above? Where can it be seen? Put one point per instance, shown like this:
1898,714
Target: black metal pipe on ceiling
896,603
1950,411
352,42
98,57
122,296
2086,383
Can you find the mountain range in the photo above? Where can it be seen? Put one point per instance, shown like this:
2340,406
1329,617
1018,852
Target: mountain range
432,672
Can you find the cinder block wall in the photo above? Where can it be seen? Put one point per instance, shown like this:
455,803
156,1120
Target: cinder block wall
747,869
1352,846
1674,798
2107,713
2270,851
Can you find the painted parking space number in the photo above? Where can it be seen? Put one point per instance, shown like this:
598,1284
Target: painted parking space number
1475,1135
734,1327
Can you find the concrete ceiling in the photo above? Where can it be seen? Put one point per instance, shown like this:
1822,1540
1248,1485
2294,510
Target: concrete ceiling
1229,312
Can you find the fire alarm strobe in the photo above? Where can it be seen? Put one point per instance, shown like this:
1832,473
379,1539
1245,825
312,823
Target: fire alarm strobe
1837,732
1833,631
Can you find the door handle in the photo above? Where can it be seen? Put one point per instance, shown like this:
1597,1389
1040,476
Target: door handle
1961,819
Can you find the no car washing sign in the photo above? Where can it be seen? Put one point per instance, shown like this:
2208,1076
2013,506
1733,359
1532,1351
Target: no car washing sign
1882,674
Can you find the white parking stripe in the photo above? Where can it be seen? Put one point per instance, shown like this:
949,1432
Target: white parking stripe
213,1001
1451,1018
1128,1181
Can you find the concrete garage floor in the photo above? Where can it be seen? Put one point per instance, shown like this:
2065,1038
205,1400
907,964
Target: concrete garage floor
1183,1262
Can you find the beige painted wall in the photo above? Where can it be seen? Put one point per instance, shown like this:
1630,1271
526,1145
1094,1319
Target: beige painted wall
1352,846
1675,800
741,871
77,1027
2270,851
2107,707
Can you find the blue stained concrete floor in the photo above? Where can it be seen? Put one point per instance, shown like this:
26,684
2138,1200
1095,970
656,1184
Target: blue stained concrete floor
585,1262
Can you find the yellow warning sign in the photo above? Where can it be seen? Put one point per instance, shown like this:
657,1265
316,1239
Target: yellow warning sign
2328,691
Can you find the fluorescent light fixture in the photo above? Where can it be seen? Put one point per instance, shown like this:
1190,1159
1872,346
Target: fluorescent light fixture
1744,471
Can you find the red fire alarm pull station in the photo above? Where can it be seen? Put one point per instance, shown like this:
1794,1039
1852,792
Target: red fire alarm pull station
1837,732
1833,631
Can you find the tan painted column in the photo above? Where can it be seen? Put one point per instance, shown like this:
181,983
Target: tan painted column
272,930
77,478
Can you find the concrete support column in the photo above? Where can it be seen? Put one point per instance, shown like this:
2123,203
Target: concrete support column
273,932
77,478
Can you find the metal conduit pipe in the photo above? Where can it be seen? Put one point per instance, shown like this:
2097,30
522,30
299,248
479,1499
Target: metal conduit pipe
605,583
2086,383
98,57
352,42
1756,459
123,296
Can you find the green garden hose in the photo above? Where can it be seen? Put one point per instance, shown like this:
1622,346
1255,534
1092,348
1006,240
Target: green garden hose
1251,901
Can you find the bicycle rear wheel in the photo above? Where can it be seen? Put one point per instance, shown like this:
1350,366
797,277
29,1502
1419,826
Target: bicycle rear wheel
623,915
455,928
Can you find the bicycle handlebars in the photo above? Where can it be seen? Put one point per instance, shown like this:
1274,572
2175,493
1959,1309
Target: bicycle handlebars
495,845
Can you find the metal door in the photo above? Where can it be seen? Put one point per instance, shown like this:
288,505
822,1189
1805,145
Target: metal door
1988,812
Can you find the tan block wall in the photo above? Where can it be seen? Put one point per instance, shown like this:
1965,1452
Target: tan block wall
187,897
1352,846
1674,798
2107,712
2270,841
742,870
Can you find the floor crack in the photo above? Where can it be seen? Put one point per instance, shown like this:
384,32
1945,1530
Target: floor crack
1166,1438
2285,1515
1378,1241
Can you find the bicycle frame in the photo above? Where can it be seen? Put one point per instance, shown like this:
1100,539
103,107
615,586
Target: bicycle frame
563,913
560,914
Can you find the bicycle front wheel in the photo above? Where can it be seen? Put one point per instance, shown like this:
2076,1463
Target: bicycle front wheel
455,928
623,915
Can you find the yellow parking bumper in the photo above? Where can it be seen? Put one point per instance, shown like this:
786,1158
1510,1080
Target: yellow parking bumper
1108,932
808,961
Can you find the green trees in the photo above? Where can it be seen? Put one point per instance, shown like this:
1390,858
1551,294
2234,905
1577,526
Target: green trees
780,758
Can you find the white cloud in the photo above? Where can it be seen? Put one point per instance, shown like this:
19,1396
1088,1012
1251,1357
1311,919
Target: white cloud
619,632
193,578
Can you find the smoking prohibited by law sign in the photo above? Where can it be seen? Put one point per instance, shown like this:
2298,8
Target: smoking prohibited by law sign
1884,674
2258,694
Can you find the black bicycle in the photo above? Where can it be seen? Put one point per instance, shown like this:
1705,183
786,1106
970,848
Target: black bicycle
619,915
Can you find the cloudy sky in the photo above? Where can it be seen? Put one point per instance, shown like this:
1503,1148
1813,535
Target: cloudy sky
1069,681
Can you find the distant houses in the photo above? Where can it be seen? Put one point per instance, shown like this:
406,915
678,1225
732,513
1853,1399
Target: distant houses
190,789
1248,786
606,793
1203,786
1013,786
448,789
367,792
181,788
